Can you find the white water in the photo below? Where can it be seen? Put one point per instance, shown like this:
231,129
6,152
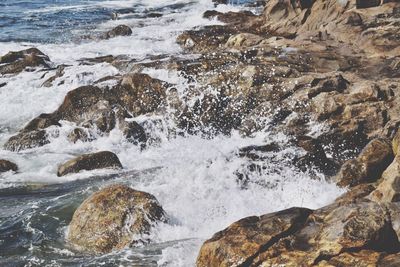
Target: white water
197,185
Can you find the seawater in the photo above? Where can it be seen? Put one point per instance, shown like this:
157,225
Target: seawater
192,177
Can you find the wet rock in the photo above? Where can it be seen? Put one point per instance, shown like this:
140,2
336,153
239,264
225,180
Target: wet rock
99,160
114,218
78,134
368,166
120,30
243,240
59,73
100,109
27,140
16,62
315,156
6,166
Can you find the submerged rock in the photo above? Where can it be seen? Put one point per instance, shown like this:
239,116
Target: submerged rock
6,166
99,160
114,218
16,62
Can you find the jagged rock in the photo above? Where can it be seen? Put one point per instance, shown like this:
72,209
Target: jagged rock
99,109
243,240
99,160
6,166
114,218
16,62
120,30
368,166
341,233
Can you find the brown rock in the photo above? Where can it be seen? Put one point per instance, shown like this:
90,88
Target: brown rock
114,218
16,62
99,160
26,140
388,189
6,166
120,30
368,166
243,240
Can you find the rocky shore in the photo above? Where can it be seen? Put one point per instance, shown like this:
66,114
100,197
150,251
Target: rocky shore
297,65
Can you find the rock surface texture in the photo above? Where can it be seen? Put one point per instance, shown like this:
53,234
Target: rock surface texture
99,160
299,62
114,218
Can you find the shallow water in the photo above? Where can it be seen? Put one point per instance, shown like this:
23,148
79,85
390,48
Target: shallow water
192,177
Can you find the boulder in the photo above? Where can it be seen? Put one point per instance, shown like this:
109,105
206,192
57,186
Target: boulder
6,166
16,62
369,165
99,160
114,218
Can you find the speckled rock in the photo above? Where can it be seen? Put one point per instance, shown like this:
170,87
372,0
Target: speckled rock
114,218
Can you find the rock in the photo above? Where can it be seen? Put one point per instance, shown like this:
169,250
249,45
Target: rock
243,40
6,166
315,156
120,30
16,62
26,140
59,73
114,218
341,233
388,189
368,166
100,110
242,241
99,160
78,134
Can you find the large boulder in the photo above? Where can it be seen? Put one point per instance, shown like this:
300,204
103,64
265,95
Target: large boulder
16,62
99,160
6,165
114,218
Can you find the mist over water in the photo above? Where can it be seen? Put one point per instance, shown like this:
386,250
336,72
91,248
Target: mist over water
194,178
